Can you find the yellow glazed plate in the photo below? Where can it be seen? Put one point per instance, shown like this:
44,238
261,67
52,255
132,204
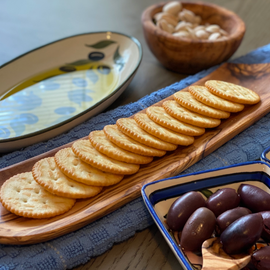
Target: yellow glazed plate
53,88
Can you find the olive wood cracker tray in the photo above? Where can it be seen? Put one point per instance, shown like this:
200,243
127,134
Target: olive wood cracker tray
19,231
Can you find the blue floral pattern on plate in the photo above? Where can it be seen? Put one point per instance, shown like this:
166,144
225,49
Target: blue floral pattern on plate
62,93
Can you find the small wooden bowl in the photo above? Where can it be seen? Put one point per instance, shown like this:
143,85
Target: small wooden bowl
188,56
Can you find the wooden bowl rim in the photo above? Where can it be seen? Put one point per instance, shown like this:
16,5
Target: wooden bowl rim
149,25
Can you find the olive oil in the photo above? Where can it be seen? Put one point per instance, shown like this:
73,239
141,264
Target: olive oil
54,96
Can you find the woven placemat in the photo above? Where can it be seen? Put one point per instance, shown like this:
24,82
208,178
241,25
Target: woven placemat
80,246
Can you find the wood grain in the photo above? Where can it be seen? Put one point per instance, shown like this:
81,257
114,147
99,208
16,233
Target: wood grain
18,230
213,255
188,56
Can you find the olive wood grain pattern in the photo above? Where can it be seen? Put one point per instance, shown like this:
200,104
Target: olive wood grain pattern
188,56
18,230
214,255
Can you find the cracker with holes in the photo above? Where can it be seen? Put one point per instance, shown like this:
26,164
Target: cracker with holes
100,141
88,153
202,94
72,166
49,176
23,196
119,138
129,127
232,92
182,114
161,132
189,102
161,117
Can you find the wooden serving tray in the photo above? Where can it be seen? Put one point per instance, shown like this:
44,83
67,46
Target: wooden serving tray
20,231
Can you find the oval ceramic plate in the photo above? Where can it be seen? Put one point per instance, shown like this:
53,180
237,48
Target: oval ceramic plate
159,196
53,88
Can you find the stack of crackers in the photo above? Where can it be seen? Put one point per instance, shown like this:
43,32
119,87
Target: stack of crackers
81,171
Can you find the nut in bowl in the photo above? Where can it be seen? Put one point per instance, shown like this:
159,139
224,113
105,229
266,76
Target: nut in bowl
187,37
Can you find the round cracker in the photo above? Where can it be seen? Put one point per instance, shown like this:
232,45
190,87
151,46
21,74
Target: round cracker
189,102
100,141
72,166
119,138
49,176
132,129
23,196
88,153
161,117
232,92
176,110
159,131
202,94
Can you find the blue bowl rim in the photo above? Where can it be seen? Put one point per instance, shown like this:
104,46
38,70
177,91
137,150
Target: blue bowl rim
263,155
163,230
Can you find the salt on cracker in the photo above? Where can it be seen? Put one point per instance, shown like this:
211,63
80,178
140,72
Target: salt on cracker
50,177
132,129
191,103
23,196
88,153
72,166
202,94
161,117
161,132
100,141
119,138
232,92
181,113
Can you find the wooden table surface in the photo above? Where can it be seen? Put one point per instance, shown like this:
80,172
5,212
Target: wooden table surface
25,25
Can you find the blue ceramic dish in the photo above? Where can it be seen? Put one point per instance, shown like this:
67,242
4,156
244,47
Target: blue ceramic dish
265,156
159,195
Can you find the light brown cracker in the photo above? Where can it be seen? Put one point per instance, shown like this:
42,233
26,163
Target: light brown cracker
49,176
202,94
189,102
176,110
132,129
161,132
23,196
86,152
119,138
232,92
100,141
161,117
72,166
